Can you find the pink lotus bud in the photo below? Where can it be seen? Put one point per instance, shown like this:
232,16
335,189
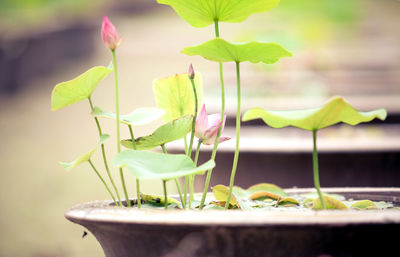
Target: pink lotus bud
206,128
109,34
191,72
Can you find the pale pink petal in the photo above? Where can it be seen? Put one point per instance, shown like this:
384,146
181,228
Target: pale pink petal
201,123
109,34
223,139
214,120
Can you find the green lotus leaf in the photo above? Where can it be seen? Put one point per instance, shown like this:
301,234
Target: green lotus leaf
158,200
335,111
151,165
220,50
364,205
140,116
201,13
288,202
221,194
78,89
331,203
169,132
84,157
175,95
267,187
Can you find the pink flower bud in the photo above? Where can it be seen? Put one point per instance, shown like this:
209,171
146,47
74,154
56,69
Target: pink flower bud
206,127
109,34
191,73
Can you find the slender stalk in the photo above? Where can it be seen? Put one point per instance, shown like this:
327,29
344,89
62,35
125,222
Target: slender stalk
192,177
214,152
315,169
102,180
185,190
186,146
194,117
165,194
139,201
121,174
103,151
176,181
236,156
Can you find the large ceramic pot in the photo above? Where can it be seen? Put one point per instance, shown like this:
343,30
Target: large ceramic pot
124,232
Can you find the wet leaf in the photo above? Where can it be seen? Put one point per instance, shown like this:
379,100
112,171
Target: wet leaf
140,116
267,187
175,95
364,205
220,50
84,157
331,203
201,13
78,89
262,195
335,111
288,202
158,200
169,132
151,165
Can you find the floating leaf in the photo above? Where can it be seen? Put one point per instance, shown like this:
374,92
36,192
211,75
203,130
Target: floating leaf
240,192
201,13
314,195
84,157
308,202
169,132
267,187
78,89
335,111
151,165
221,194
220,50
140,116
330,203
364,205
262,195
288,202
158,200
175,95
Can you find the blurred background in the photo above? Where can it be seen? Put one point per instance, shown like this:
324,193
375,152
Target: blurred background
340,47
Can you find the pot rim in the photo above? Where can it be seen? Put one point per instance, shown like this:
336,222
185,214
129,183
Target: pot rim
104,212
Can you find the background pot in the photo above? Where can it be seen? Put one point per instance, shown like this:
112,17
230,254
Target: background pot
131,232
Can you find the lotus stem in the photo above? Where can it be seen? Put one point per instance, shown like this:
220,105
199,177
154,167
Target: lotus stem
121,173
192,177
103,151
214,151
102,180
139,201
165,194
236,156
316,171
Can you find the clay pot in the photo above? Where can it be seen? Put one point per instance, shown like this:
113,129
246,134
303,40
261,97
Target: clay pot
124,232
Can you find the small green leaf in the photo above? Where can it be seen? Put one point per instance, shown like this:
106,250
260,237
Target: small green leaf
331,203
201,13
220,50
84,157
335,111
221,194
151,165
140,116
267,187
169,132
175,95
78,89
158,200
262,195
364,205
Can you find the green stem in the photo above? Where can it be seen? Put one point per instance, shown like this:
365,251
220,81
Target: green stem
192,177
186,146
121,173
315,168
165,194
194,117
214,152
103,151
102,180
196,157
185,190
176,181
236,156
139,201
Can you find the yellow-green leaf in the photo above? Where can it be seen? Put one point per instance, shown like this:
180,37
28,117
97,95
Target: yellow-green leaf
288,202
262,195
169,132
220,50
175,95
221,194
267,187
201,13
158,200
78,89
331,203
335,111
364,205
